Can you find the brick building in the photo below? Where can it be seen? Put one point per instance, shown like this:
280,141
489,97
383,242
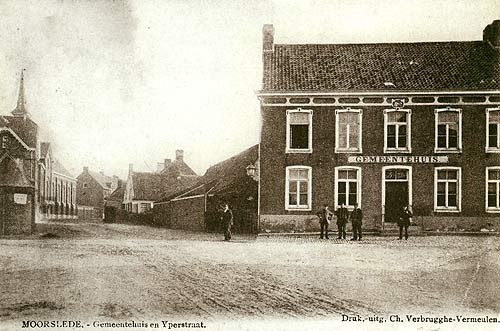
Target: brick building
92,190
18,169
57,187
381,125
144,188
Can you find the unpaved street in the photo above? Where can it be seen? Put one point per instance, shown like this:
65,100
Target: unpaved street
124,272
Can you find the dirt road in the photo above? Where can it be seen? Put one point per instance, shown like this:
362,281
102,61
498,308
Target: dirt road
121,272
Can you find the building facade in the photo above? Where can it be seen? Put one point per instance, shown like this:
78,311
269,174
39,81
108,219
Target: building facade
92,189
18,169
383,126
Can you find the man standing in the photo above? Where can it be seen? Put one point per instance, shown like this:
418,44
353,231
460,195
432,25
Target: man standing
227,221
325,216
356,219
342,215
404,222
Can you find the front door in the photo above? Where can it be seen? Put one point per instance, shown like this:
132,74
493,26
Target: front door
396,193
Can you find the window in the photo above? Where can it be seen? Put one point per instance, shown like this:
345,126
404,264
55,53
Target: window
298,188
85,185
299,131
448,128
347,186
493,189
5,141
397,130
348,130
447,189
493,130
144,207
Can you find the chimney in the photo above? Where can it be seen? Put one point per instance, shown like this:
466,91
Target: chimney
268,38
179,155
86,169
491,34
167,163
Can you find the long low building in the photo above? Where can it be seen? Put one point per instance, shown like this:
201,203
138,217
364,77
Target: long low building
384,126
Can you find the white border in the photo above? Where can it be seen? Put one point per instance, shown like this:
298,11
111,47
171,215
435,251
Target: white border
459,191
309,188
408,131
487,148
447,150
296,150
358,183
359,149
409,181
489,209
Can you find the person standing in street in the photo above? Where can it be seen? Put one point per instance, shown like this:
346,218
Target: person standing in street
404,222
227,221
356,218
342,216
325,215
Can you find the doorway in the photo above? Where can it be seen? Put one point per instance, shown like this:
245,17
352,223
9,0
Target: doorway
396,191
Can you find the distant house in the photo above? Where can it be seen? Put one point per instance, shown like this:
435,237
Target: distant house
197,206
113,204
144,188
57,187
92,189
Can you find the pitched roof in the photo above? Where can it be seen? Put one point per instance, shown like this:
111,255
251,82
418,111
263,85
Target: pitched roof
220,176
24,127
60,169
457,65
102,179
178,168
117,194
44,148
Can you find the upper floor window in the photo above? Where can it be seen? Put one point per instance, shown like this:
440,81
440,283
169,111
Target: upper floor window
298,187
397,130
493,130
493,189
85,185
347,186
299,131
5,141
447,189
348,130
448,130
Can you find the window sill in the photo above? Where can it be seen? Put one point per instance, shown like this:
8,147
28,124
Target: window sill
298,151
493,210
298,208
492,150
448,151
348,151
446,210
395,151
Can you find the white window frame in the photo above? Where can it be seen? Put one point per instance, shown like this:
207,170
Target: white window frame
459,191
408,131
288,133
309,189
436,123
359,148
487,148
358,184
497,181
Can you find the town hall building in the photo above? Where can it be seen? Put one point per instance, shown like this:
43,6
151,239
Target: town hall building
382,126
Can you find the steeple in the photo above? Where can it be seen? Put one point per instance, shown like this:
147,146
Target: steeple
20,109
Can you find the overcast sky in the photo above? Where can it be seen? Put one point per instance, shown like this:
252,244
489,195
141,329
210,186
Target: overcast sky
118,82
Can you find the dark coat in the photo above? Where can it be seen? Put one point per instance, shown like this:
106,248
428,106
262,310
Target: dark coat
324,215
356,216
227,217
342,215
405,218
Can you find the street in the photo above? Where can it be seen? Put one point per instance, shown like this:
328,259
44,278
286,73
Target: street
126,272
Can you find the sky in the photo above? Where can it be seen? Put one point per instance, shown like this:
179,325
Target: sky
117,82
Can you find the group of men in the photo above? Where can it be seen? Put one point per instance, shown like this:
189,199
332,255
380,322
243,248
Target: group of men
343,216
356,218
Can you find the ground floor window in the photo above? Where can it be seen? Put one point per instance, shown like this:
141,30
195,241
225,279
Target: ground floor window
144,207
493,189
447,189
348,186
298,188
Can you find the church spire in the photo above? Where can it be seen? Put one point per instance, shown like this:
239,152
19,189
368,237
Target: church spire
21,106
